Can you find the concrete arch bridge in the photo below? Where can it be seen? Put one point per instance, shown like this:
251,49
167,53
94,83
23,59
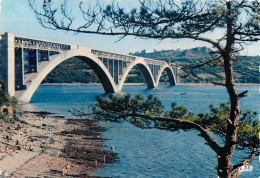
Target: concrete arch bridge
25,62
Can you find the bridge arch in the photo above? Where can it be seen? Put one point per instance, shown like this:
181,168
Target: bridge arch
144,69
85,55
170,73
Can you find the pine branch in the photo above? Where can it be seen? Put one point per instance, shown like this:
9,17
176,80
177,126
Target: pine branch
243,94
181,122
190,68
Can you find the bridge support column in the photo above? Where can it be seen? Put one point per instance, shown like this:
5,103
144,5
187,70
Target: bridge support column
7,60
33,61
19,68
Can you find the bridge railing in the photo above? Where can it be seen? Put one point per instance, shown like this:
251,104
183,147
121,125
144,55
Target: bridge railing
109,55
154,62
103,54
21,42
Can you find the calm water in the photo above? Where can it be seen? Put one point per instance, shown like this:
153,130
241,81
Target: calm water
151,153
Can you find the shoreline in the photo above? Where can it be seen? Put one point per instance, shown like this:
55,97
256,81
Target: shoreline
211,84
136,84
39,145
82,84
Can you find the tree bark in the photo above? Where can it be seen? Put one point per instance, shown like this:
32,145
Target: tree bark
223,164
224,158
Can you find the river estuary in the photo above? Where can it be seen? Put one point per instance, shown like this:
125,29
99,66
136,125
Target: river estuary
151,153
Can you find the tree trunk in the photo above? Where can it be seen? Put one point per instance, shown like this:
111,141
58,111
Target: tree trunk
224,157
224,162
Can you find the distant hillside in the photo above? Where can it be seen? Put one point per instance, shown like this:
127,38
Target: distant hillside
193,53
245,70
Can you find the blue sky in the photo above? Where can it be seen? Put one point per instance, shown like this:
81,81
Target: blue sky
16,17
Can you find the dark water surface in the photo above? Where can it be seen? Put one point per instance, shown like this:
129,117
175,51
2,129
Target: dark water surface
151,153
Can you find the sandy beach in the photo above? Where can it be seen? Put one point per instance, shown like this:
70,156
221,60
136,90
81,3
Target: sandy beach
39,145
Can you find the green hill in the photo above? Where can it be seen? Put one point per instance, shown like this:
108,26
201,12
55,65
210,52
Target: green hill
246,69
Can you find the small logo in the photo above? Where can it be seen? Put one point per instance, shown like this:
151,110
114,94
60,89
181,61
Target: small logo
246,168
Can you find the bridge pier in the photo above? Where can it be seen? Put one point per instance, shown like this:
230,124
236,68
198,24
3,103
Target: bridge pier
7,61
32,60
19,71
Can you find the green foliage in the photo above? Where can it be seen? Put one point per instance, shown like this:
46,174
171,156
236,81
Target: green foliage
177,111
5,99
3,94
13,102
72,71
249,129
135,76
216,121
2,85
124,108
142,113
217,118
